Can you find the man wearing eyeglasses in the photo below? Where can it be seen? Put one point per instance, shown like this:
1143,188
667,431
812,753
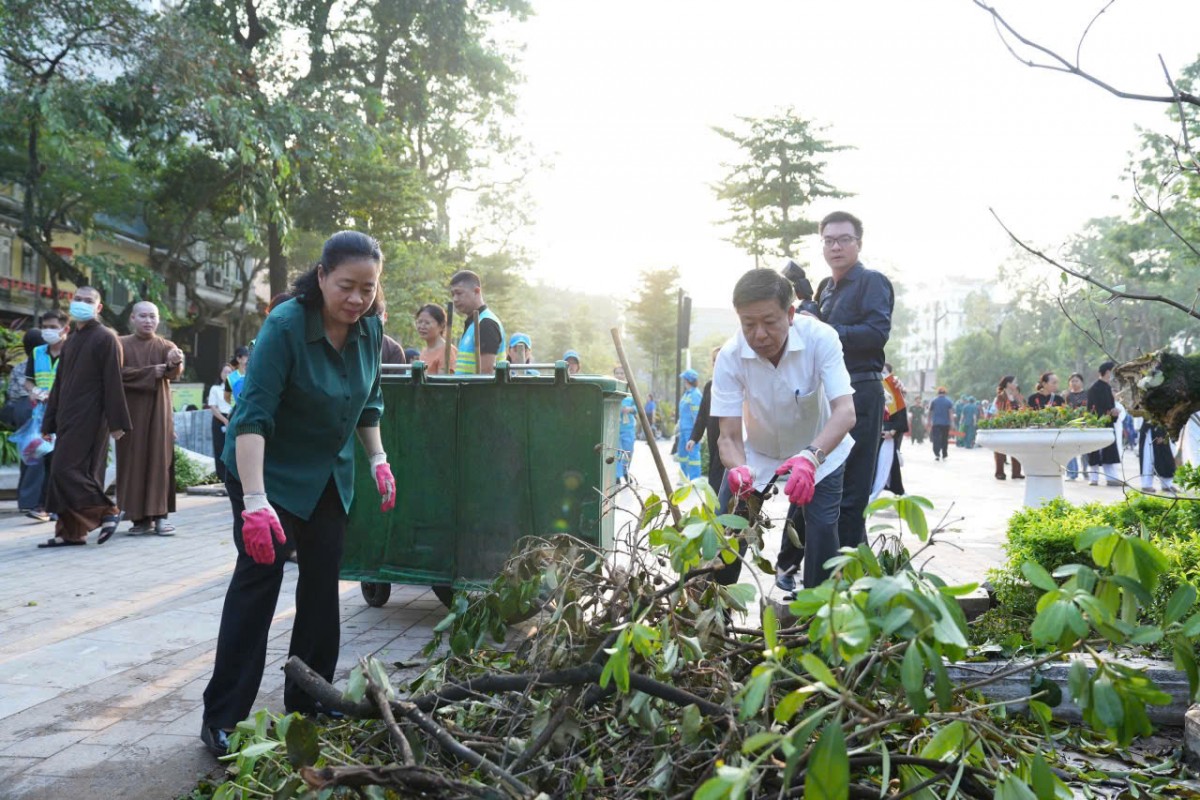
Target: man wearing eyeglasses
857,303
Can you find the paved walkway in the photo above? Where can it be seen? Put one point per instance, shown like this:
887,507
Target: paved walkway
105,651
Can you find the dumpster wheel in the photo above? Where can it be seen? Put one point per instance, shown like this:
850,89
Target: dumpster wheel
445,593
376,594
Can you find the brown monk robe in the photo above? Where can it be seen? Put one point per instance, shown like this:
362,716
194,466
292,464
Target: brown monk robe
145,478
85,405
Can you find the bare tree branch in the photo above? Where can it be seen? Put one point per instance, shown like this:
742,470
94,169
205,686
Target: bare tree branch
1116,293
1063,65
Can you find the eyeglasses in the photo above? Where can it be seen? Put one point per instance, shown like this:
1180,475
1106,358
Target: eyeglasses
844,241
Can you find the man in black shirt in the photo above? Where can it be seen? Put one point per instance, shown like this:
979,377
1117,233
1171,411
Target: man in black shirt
857,302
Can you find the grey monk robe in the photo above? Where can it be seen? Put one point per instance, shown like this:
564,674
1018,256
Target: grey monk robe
87,402
145,480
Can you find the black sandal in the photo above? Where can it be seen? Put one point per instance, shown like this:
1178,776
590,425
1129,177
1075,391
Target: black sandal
58,541
108,527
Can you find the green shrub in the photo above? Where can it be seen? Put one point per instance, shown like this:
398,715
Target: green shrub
1046,536
188,473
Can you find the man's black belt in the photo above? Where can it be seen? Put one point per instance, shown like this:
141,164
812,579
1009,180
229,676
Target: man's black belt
856,377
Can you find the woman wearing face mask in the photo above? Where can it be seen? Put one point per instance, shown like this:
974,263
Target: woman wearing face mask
290,476
85,407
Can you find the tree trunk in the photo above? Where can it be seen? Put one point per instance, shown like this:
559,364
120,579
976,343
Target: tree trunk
277,267
1163,387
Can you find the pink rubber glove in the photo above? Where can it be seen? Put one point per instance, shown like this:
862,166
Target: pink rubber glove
384,481
740,480
259,525
802,482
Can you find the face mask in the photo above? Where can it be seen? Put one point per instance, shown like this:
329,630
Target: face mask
82,312
51,335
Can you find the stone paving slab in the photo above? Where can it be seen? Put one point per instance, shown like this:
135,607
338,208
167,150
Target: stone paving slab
105,651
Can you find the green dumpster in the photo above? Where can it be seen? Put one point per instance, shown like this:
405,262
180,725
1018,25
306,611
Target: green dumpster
480,462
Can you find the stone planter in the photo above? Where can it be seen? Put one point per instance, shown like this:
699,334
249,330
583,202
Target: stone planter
1044,452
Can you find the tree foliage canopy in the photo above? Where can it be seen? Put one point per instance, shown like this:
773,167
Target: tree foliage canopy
781,172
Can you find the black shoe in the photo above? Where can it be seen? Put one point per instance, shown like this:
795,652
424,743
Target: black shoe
216,740
317,709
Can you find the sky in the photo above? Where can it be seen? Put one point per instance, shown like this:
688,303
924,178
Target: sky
620,97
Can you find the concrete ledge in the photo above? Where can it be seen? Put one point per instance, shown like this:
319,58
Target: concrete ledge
1016,686
208,490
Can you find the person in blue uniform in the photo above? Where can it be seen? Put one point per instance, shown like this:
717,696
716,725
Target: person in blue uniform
627,433
689,408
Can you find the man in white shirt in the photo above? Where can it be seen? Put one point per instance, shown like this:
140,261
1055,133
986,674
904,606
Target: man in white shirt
783,376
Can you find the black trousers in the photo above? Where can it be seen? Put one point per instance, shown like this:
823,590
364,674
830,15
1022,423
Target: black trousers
940,436
218,442
860,466
250,606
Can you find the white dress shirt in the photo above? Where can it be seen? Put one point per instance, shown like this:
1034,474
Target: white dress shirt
783,407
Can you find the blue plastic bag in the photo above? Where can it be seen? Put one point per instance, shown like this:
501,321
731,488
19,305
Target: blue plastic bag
28,438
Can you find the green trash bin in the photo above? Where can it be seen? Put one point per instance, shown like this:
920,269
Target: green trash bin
480,462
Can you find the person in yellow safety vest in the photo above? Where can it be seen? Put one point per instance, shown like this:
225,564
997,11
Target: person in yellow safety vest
482,342
39,381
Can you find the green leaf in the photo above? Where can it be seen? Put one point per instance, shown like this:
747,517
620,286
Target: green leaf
712,789
760,740
356,685
1104,548
1078,681
819,670
1107,703
896,619
1036,574
1041,779
1013,788
828,775
770,627
733,521
786,708
1146,634
740,595
258,748
1089,536
1048,626
912,676
1041,712
303,743
755,692
948,741
1180,603
380,677
943,689
914,517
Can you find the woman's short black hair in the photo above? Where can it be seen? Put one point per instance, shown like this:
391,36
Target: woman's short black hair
341,247
433,310
762,284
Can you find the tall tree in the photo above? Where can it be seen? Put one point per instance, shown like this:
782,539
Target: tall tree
781,172
652,321
56,144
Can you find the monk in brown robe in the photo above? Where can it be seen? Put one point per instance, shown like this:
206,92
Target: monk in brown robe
145,472
86,406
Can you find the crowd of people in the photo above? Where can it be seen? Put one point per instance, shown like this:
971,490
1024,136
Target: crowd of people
80,386
943,419
801,394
